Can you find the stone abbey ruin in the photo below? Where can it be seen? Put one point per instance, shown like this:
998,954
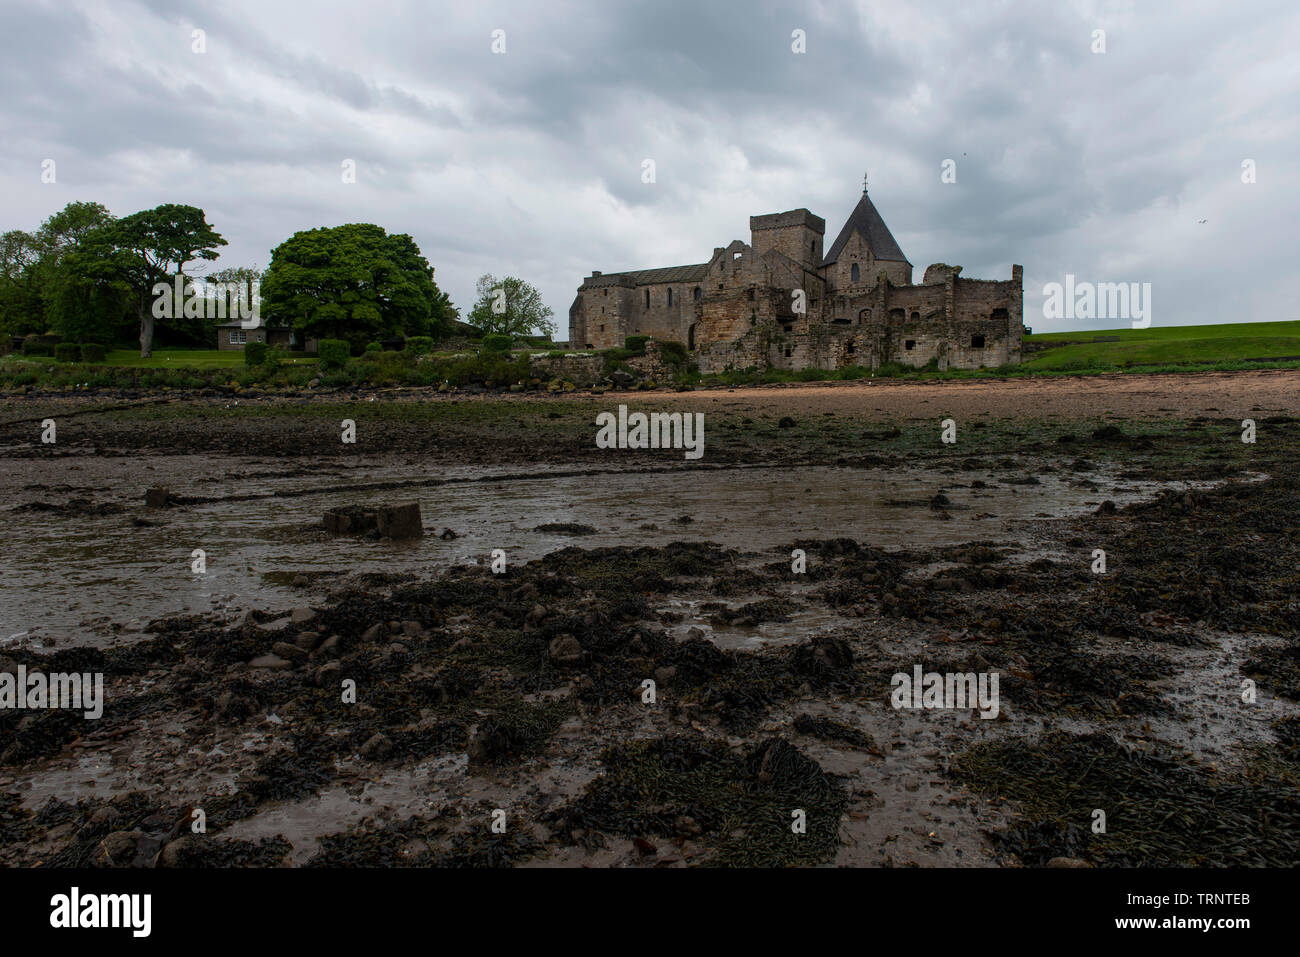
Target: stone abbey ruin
778,302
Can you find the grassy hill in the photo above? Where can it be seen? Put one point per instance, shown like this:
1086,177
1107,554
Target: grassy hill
1161,345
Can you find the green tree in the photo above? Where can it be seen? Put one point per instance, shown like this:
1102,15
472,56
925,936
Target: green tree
150,248
510,306
355,283
21,308
86,297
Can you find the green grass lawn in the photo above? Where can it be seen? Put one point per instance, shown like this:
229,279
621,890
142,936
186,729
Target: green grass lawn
180,358
1161,345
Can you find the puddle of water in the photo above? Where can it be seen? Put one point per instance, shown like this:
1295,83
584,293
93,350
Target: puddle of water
68,577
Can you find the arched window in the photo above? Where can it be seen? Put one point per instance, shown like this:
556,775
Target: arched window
647,298
670,297
855,273
697,293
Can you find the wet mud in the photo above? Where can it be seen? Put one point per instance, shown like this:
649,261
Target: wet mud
654,679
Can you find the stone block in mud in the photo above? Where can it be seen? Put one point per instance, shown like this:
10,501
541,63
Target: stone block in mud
350,520
400,521
157,497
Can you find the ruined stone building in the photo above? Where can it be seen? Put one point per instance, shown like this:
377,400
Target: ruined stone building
781,302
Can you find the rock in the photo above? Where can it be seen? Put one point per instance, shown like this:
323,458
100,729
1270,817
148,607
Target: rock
271,662
307,640
105,815
447,535
300,616
416,850
157,497
785,423
300,581
400,521
179,853
234,707
412,629
126,849
288,651
687,826
1106,508
1067,862
565,650
330,644
350,520
328,674
373,633
377,747
664,675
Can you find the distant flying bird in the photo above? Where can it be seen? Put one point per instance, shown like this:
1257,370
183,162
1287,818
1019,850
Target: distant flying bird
1202,220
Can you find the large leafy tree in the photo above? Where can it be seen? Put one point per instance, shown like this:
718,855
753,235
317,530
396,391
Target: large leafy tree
21,310
152,247
511,306
85,296
353,282
38,274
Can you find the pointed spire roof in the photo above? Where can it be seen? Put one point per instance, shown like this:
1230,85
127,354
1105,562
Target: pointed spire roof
866,221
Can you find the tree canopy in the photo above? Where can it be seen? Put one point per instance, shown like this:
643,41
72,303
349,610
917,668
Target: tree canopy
510,306
353,282
150,247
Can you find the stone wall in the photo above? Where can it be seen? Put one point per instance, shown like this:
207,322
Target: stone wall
651,366
582,370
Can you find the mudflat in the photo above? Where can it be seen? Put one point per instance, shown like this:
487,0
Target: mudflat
675,662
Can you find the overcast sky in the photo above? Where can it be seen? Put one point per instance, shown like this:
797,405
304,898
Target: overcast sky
529,162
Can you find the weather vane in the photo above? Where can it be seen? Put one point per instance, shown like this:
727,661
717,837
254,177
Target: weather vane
864,182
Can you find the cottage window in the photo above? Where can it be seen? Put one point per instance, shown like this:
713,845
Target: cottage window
670,297
238,336
916,317
977,342
697,293
855,273
647,298
909,344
